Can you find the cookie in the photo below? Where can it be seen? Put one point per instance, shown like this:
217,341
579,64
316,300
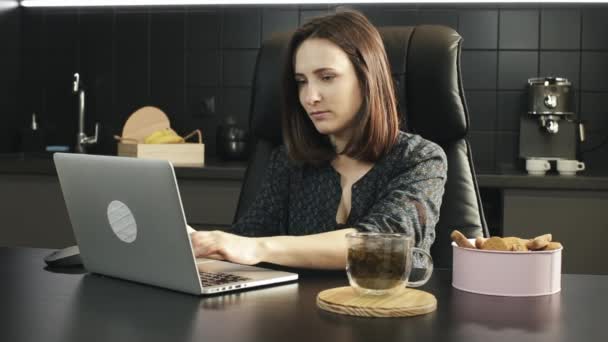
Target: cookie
552,245
479,242
495,244
516,244
461,240
519,248
539,242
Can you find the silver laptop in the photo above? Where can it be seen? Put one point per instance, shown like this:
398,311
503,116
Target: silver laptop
129,223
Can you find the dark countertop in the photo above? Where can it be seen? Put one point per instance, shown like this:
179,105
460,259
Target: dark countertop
42,164
551,181
19,163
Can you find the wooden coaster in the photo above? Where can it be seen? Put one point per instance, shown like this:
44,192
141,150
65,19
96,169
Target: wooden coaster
345,301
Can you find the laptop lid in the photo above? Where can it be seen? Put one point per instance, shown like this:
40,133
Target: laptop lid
111,202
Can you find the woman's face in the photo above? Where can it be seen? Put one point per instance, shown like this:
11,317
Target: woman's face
328,87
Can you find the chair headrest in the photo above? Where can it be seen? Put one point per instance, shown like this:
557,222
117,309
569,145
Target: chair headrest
425,63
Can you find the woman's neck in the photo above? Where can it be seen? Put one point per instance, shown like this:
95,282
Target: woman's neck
342,161
339,141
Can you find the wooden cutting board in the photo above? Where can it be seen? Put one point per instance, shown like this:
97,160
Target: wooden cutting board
144,122
408,302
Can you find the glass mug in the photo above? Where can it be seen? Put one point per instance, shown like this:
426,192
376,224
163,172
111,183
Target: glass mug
381,263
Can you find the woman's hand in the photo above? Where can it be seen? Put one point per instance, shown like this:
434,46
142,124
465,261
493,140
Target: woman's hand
220,245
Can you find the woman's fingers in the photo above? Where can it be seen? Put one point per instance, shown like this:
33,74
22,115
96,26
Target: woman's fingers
205,244
224,246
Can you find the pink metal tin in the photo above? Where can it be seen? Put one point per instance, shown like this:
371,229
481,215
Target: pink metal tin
501,273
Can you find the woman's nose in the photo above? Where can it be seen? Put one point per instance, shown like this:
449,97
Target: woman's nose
312,94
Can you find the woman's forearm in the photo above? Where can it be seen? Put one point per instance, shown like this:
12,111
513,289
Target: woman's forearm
321,251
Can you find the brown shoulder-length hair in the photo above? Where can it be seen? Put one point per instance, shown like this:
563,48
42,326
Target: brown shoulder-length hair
377,122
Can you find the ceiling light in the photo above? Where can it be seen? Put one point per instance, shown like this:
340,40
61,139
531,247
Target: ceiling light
93,3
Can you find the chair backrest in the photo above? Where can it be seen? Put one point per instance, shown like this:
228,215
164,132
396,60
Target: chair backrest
425,63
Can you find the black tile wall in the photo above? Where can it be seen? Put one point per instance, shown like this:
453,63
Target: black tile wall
131,31
594,112
238,67
61,30
242,28
274,20
482,109
595,28
479,28
482,146
10,63
197,62
594,71
236,104
203,102
392,17
167,65
507,150
167,82
199,101
595,150
561,63
518,29
9,23
203,67
306,15
560,29
445,18
203,29
31,34
479,69
167,30
511,104
515,67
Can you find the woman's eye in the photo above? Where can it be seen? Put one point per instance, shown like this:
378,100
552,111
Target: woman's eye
327,77
300,82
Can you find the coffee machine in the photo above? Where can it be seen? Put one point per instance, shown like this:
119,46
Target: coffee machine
550,129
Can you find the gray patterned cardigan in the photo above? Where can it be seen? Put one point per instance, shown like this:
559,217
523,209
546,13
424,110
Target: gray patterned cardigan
401,193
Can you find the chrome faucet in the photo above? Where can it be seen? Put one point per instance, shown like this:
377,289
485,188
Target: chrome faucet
81,139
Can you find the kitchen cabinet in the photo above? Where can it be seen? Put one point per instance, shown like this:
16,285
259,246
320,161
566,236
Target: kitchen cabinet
33,211
577,219
209,204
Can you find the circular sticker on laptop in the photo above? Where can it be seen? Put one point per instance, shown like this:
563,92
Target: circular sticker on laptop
122,221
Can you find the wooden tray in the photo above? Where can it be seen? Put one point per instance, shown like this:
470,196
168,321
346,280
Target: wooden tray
345,301
144,122
181,155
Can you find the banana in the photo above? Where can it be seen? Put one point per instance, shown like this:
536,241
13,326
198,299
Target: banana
169,139
155,135
164,136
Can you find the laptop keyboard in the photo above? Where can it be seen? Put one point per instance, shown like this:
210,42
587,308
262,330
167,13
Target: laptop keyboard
213,279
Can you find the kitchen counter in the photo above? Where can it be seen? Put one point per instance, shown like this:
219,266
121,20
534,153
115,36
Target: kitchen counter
18,163
42,164
549,181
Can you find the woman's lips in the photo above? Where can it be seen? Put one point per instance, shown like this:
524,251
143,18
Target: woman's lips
319,115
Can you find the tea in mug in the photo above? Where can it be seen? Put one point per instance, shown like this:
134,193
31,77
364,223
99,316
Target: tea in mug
380,263
377,269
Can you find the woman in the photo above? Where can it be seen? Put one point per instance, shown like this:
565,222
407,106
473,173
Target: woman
345,166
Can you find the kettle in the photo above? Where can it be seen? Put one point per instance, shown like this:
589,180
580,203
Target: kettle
232,141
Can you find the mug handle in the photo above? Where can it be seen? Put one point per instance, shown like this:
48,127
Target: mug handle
580,166
547,166
429,268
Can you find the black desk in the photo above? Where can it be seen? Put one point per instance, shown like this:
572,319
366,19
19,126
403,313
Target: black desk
39,305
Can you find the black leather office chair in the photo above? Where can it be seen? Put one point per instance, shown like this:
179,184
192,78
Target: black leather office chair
425,62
